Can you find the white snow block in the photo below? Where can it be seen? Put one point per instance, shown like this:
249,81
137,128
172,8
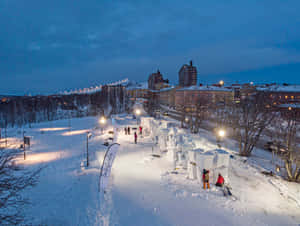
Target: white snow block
192,170
171,155
192,154
222,158
182,159
205,161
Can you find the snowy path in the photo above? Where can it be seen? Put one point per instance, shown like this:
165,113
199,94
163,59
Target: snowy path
143,189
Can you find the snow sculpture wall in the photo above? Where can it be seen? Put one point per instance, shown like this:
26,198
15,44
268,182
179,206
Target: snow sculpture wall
181,160
221,164
192,165
162,140
205,161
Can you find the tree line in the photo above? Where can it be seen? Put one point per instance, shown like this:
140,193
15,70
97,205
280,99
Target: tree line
16,111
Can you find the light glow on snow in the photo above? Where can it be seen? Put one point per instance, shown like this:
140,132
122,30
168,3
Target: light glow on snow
36,158
53,129
75,132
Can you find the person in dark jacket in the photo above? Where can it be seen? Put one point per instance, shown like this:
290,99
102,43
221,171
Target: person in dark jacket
220,181
128,130
205,178
125,129
135,137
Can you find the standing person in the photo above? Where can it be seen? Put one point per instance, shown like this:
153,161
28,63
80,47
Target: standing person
125,129
205,178
141,130
135,137
220,181
128,130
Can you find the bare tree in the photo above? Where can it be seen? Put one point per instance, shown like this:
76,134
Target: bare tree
287,143
200,114
184,117
248,119
13,180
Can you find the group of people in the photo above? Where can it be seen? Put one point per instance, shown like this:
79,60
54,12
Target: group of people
205,177
127,132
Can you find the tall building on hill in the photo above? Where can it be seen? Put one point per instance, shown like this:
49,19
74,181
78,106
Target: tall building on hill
188,75
156,81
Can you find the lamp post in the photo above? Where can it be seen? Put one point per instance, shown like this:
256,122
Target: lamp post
102,122
186,121
137,113
221,133
88,136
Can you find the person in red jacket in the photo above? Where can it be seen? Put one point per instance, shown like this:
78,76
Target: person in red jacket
135,137
220,181
141,130
205,178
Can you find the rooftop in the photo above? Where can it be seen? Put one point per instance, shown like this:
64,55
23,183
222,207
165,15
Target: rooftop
280,88
207,88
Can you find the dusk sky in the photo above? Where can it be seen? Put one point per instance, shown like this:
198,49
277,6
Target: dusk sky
57,45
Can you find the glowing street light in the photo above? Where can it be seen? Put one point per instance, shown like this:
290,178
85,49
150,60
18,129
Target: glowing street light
186,119
221,82
221,133
102,122
137,111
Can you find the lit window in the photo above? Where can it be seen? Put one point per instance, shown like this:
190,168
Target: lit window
286,97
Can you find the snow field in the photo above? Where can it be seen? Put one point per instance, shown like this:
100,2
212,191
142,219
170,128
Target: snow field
143,189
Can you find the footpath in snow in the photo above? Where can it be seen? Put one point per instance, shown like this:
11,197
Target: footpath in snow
143,189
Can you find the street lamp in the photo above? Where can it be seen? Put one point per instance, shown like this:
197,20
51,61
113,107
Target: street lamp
221,133
88,136
221,82
137,112
102,122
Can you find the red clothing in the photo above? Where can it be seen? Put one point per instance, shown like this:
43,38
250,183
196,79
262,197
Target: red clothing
220,180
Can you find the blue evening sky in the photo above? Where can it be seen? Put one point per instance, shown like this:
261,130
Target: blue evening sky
50,46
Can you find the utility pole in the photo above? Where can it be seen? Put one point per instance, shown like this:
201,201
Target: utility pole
88,136
5,137
24,147
87,150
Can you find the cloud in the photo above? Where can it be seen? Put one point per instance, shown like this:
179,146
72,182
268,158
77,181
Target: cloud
106,40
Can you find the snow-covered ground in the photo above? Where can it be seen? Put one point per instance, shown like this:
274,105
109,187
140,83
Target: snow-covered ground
144,189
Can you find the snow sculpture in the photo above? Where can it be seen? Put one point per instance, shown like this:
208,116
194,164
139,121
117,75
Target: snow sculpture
181,160
171,145
204,161
192,165
162,140
221,164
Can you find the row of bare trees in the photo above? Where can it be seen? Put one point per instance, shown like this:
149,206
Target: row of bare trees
13,181
249,119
